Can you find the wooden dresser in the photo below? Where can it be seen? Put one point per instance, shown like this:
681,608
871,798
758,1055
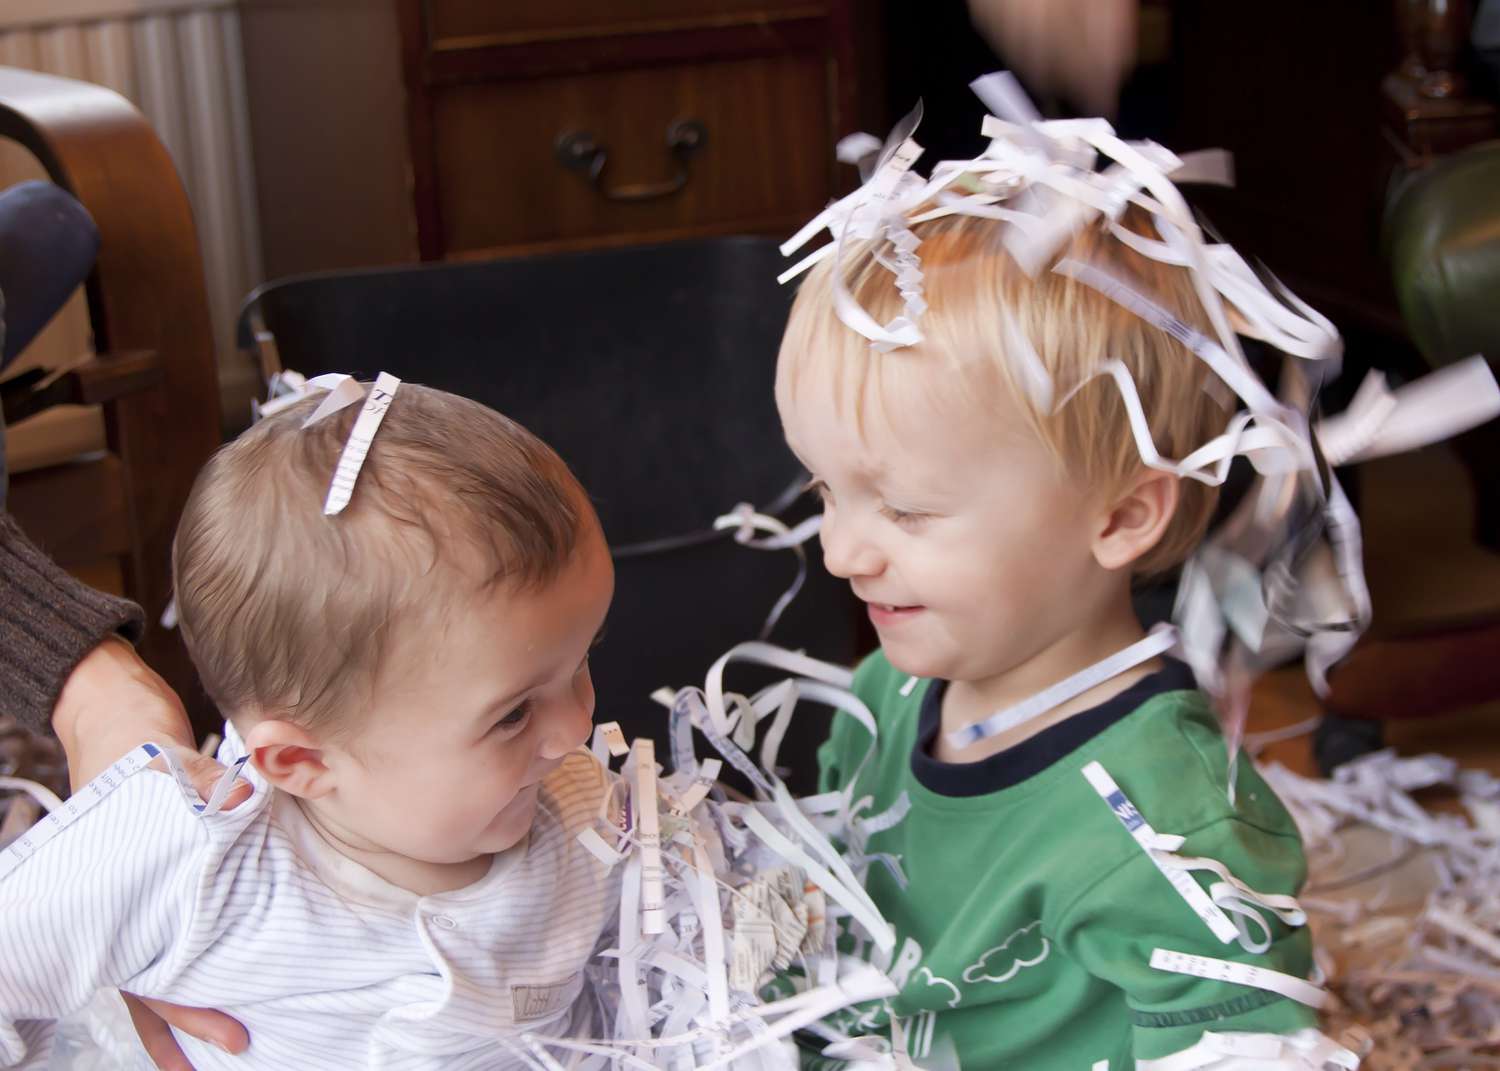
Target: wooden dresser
576,123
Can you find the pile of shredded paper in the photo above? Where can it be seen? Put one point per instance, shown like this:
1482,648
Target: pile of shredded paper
1405,904
721,895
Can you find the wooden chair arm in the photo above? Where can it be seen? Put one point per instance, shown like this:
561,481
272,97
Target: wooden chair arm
146,294
93,381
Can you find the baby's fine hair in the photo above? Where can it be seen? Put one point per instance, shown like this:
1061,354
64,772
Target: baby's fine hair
967,358
289,613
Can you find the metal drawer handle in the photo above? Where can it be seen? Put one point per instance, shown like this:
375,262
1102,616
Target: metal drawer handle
578,151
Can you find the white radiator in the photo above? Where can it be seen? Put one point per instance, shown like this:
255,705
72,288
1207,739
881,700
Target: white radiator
180,63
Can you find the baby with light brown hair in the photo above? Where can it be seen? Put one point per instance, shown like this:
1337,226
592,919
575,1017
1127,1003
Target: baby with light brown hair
1006,435
409,679
461,589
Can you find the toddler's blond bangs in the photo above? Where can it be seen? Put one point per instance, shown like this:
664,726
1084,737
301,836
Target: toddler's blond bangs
979,301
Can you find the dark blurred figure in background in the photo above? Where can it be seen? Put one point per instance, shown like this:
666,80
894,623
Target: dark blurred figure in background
1075,54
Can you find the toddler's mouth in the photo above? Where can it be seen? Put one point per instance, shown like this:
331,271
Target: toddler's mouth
885,613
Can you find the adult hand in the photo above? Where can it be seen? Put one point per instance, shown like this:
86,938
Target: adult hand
1078,49
112,703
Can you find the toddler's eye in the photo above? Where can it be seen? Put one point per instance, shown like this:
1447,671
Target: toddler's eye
906,518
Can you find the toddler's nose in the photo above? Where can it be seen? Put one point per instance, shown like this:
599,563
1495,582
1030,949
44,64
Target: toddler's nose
846,553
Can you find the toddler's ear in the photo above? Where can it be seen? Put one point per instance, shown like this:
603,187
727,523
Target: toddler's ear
1135,522
290,758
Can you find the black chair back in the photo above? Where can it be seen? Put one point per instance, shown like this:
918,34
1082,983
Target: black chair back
650,371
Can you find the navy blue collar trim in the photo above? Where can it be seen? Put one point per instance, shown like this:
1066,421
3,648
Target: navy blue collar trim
1031,756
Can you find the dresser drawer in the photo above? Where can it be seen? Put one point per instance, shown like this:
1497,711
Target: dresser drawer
451,21
763,164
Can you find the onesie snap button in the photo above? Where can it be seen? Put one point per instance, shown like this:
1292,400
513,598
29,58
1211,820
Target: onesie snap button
447,922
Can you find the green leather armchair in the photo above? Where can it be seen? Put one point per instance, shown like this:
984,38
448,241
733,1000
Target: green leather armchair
1441,237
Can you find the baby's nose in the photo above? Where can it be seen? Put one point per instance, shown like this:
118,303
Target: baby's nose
572,720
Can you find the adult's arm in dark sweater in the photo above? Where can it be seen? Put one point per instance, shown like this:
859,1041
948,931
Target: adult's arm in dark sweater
48,623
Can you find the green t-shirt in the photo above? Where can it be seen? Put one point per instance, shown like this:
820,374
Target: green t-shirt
1024,936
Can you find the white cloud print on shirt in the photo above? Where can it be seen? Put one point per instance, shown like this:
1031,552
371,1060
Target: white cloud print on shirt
938,980
1005,960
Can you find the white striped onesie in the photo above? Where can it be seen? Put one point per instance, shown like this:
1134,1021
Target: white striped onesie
326,964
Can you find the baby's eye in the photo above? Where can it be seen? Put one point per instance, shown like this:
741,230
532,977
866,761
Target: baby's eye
515,719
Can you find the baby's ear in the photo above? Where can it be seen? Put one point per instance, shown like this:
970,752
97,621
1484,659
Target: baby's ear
290,758
1135,521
